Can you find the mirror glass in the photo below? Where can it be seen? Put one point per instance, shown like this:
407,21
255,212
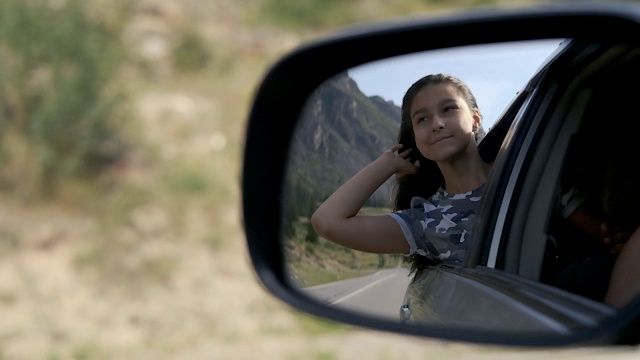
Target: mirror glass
348,122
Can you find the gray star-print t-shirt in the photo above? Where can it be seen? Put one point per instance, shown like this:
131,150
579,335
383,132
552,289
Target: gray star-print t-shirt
439,227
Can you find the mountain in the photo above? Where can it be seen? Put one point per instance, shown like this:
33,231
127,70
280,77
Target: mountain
340,131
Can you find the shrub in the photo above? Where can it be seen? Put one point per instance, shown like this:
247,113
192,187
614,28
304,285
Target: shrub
57,102
192,52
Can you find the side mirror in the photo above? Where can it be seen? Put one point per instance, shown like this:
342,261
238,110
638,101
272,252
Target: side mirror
292,162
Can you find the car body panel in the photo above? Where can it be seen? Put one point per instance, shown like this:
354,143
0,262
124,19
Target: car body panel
494,300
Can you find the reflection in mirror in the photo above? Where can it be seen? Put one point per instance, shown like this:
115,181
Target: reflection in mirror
348,122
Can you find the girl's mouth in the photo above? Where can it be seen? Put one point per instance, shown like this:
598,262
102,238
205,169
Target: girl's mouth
440,138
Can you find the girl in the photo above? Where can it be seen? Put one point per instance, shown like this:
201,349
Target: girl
439,179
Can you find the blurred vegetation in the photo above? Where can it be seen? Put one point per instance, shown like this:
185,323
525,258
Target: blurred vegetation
192,52
322,14
71,141
64,109
59,112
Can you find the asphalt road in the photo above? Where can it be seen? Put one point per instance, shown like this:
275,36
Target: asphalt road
379,294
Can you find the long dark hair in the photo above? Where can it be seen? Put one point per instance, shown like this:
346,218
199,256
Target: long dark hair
428,179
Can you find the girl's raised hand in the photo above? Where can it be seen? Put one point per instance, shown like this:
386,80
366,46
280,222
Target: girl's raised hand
400,161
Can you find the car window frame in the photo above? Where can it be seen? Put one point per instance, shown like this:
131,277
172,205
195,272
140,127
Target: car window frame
497,243
523,250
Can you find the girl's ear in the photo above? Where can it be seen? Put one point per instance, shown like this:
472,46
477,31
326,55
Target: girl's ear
477,120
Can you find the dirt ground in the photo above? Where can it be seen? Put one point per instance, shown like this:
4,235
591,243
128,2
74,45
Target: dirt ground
211,307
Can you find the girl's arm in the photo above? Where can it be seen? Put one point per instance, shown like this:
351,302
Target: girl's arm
336,219
624,284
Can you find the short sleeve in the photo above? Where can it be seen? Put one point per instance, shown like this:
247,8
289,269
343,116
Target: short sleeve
411,222
439,227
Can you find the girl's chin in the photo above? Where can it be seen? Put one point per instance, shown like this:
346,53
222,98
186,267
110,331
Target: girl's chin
440,155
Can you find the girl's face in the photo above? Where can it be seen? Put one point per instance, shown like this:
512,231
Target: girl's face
443,123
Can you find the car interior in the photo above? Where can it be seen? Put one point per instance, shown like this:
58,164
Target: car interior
599,171
596,167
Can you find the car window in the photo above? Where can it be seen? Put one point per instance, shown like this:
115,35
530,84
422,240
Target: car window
597,190
588,183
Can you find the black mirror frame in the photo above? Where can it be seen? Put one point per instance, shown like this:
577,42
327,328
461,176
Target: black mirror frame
289,82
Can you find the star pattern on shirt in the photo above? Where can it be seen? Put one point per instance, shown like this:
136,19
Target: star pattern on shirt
446,223
463,236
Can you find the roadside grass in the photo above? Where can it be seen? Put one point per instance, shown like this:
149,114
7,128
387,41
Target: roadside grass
317,262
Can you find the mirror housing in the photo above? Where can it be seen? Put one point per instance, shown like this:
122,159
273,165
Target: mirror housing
282,95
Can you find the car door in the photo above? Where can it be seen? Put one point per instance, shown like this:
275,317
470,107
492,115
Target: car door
501,286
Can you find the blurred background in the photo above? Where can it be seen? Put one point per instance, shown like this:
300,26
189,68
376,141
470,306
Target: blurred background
121,136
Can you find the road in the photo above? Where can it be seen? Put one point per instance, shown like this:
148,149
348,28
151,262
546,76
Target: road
379,294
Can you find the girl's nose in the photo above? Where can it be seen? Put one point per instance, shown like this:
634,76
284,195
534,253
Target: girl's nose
438,124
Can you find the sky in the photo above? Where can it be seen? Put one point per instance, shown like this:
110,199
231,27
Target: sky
495,72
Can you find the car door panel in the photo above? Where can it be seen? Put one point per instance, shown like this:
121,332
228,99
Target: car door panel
489,299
